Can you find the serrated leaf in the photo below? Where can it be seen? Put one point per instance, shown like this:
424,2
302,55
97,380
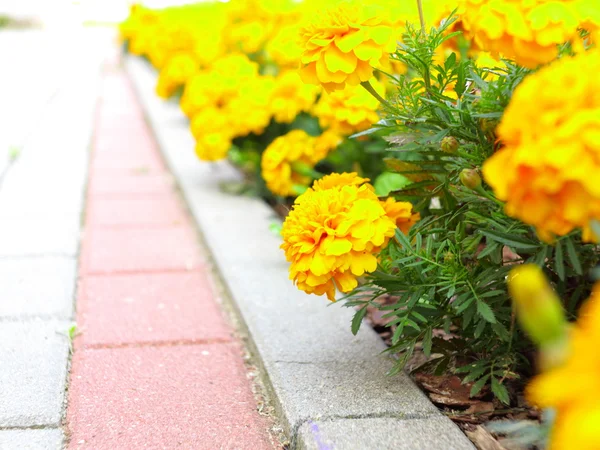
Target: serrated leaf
510,240
484,310
427,341
559,262
573,258
357,319
478,385
500,391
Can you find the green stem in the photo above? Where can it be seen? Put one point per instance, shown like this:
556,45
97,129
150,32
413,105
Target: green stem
371,90
421,15
489,196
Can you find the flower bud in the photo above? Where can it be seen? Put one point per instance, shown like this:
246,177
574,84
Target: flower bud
470,178
539,312
449,144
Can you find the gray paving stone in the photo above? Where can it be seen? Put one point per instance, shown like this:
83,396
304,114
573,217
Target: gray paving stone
315,367
42,439
345,389
37,287
40,236
382,434
34,357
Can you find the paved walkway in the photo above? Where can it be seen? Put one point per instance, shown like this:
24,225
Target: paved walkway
155,363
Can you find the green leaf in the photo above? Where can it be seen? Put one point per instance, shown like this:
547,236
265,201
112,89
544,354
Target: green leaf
559,261
357,319
478,385
427,341
511,240
388,182
484,310
573,258
500,391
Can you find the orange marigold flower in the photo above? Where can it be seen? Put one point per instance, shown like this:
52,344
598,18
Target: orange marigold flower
332,236
401,213
572,387
341,44
529,32
552,148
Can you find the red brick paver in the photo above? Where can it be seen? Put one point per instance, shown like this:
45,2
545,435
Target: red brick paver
155,365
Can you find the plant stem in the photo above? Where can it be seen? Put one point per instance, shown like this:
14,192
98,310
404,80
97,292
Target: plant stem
371,90
421,15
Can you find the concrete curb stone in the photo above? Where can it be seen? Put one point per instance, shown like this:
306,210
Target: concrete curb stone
316,370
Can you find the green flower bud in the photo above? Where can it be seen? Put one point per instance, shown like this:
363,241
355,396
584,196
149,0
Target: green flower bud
539,312
470,178
449,144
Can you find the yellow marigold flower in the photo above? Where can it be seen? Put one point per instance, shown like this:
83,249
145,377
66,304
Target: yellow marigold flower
401,213
284,48
552,148
290,96
213,135
572,388
248,112
341,44
336,180
279,158
332,236
175,74
349,110
324,143
288,159
527,31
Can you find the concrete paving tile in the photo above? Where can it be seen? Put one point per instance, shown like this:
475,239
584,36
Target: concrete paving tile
147,308
434,433
38,286
34,357
44,439
138,162
193,396
41,235
151,211
350,388
138,250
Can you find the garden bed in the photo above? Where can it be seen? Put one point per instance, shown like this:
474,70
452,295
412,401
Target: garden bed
327,386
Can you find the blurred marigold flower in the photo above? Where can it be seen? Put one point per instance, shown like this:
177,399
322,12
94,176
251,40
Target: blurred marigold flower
530,32
573,388
290,96
281,161
332,235
177,71
341,44
348,111
552,148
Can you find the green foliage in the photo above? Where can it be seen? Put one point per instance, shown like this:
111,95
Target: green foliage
446,278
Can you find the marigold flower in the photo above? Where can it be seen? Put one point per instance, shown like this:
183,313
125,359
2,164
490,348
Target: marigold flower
528,32
572,388
552,148
175,74
401,213
286,161
332,236
212,133
278,160
341,44
290,96
348,111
